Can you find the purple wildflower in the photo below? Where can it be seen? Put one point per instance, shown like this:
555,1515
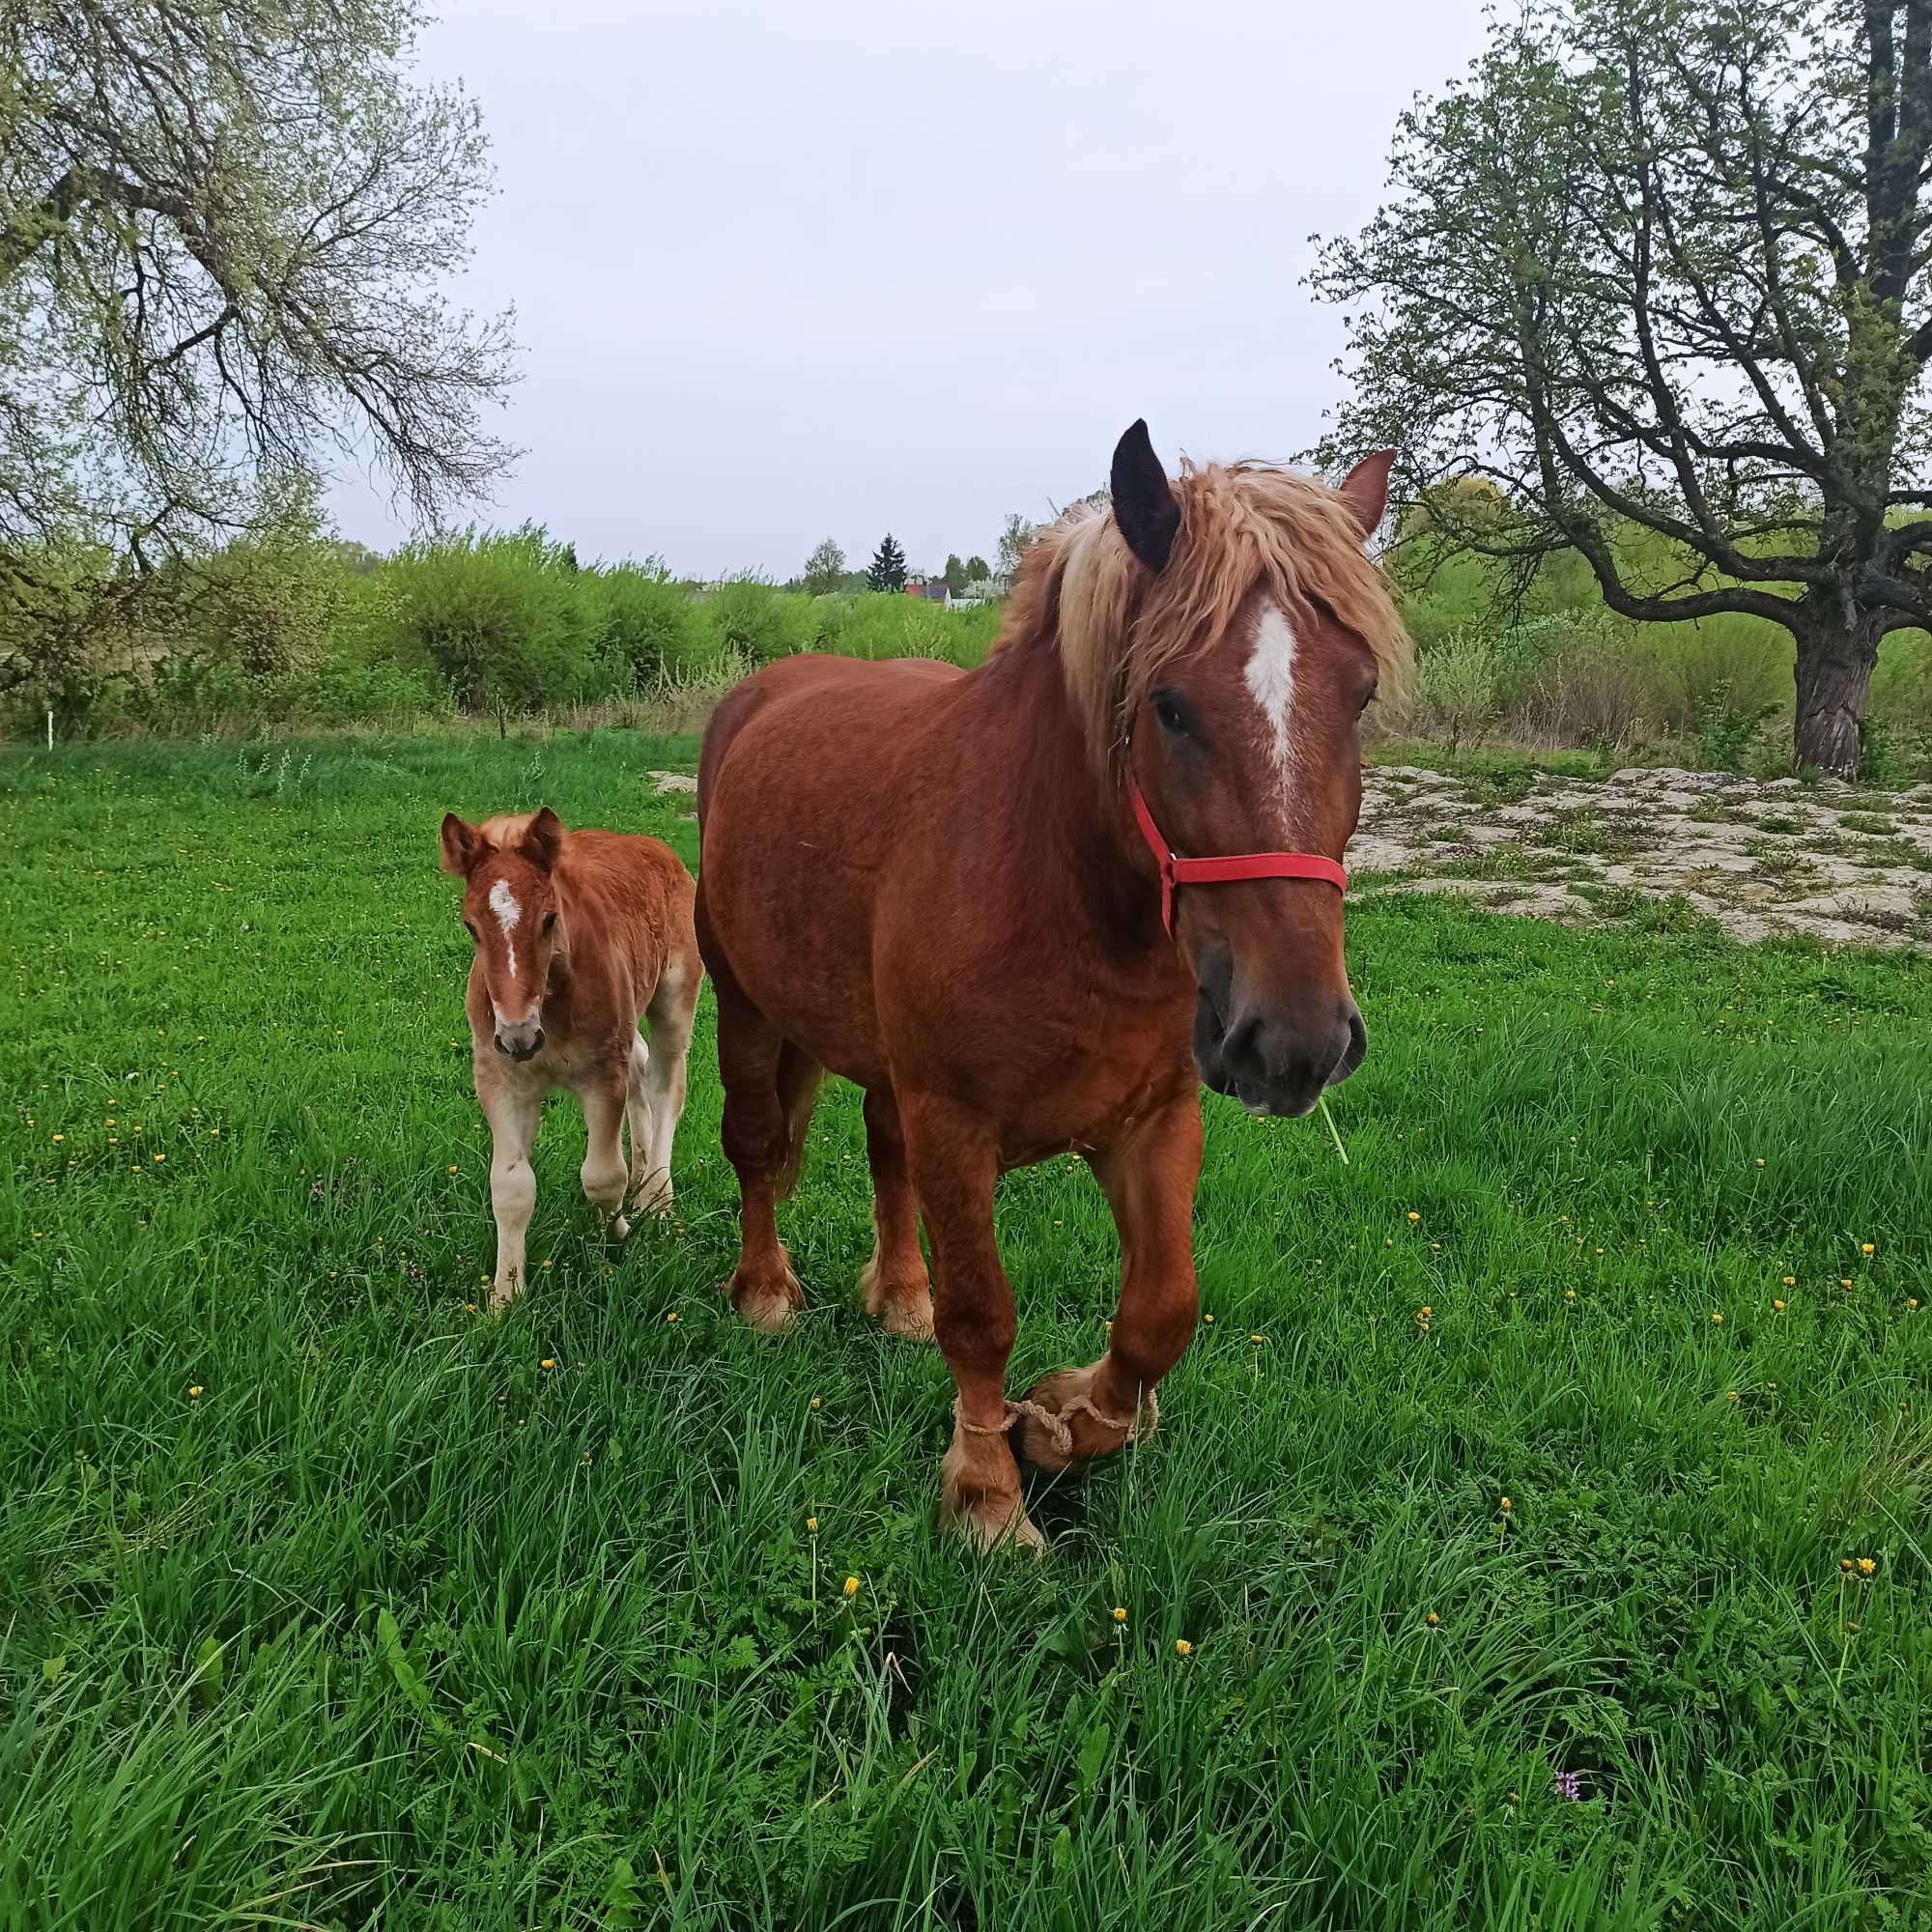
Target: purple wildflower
1569,1784
315,1190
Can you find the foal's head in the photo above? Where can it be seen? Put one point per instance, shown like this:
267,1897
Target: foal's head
1221,638
509,908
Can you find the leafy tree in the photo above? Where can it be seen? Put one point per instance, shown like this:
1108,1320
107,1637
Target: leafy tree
1014,541
1664,264
222,223
977,571
888,569
824,568
956,576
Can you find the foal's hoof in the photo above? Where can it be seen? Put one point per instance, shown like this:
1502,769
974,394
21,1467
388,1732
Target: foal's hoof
767,1305
653,1196
901,1308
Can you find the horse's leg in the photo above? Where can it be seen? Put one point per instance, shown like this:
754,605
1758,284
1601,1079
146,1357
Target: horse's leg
602,1171
894,1287
512,1112
1149,1179
954,1166
762,1288
661,1089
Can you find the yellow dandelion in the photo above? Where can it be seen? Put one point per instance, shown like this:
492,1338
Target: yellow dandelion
1506,1506
1777,1307
1787,1281
1731,1395
814,1401
1256,1340
1867,1567
1867,1248
1568,1294
543,1265
851,1586
469,1308
1845,1564
1120,1613
671,1314
1760,1163
1413,1215
452,1169
1716,1320
1182,1648
1432,1620
812,1523
1208,1318
548,1363
1844,1281
58,1138
194,1391
1912,1301
161,1158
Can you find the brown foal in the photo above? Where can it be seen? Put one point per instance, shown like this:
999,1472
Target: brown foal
935,883
577,936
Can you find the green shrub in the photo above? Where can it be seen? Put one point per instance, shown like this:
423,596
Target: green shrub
508,623
1725,734
649,623
756,620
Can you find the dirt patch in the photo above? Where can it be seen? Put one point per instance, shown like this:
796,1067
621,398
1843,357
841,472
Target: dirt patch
1759,857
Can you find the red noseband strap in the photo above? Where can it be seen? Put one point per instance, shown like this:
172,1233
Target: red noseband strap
1178,872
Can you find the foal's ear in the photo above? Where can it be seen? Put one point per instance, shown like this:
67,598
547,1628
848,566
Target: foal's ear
541,840
1365,489
1144,506
461,845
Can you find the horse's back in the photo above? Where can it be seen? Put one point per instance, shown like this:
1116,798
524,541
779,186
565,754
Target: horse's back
636,895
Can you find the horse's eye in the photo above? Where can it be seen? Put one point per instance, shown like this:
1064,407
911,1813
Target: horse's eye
469,929
550,919
1171,712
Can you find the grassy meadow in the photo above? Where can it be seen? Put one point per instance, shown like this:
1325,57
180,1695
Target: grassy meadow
1522,1456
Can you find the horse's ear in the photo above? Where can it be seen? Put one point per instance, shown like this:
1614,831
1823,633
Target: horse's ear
1144,506
1365,489
461,845
542,838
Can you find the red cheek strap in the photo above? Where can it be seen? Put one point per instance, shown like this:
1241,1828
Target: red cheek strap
1175,870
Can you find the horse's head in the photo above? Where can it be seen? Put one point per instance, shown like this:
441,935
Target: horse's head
1240,711
509,909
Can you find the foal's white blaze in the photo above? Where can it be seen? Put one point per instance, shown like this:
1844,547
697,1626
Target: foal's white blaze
1270,681
509,916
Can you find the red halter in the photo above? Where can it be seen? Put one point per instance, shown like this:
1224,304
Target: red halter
1178,872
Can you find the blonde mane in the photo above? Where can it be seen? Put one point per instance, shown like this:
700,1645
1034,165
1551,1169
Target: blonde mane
1116,626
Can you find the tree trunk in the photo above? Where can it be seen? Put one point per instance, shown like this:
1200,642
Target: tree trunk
1835,661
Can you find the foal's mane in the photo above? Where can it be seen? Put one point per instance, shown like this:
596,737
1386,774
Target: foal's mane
1116,625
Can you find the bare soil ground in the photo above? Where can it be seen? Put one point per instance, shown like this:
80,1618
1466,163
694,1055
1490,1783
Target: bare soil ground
1761,856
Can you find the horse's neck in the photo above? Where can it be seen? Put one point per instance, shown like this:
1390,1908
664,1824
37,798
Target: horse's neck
1067,817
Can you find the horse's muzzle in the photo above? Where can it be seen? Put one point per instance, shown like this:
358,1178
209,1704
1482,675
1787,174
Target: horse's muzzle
1276,1065
520,1042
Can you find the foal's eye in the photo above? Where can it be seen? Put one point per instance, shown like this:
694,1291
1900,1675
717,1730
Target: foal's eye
550,919
469,929
1171,712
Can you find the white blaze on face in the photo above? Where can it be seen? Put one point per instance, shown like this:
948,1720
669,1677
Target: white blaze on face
509,916
1270,681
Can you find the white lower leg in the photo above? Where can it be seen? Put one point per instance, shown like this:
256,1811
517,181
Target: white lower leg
513,1195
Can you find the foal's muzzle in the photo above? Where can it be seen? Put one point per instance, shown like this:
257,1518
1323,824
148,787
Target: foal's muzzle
520,1042
1275,1061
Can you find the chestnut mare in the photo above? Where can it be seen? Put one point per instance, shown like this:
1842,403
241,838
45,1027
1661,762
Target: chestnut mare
937,884
578,934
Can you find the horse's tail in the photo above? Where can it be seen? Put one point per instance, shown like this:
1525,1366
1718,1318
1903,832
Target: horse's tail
799,1075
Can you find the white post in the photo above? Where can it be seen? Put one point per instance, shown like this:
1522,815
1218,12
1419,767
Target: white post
50,727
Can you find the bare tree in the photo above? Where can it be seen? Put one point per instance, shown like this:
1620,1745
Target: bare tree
1662,264
223,226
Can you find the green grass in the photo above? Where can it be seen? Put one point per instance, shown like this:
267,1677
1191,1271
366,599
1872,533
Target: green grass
391,1628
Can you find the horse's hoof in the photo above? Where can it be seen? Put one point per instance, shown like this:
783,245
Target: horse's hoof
502,1293
995,1523
900,1308
765,1305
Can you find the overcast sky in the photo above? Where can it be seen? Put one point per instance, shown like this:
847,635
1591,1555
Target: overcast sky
794,269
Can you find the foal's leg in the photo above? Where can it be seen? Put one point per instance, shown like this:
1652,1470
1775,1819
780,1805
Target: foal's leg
638,1119
1148,1179
602,1171
512,1112
663,1073
894,1287
954,1166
